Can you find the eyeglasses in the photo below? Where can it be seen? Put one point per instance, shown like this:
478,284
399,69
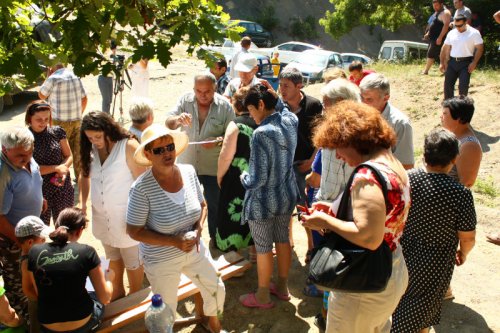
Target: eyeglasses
162,150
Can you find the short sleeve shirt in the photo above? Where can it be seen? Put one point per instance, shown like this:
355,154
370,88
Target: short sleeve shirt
150,206
403,150
60,273
65,92
464,43
218,118
20,191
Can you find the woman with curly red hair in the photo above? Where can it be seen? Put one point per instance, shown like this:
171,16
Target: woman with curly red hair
361,136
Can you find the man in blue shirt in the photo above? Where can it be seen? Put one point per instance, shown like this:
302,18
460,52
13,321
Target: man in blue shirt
20,196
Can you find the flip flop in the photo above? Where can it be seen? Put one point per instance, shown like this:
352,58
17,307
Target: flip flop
493,238
274,290
250,301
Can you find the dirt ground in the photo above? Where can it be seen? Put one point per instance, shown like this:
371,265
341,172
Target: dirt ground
476,284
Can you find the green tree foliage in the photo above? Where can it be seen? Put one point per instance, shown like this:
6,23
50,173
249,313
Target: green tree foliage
304,29
82,30
389,14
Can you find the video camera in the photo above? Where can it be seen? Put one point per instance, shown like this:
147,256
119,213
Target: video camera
119,61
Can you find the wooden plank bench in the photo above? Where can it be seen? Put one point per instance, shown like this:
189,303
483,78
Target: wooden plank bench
131,308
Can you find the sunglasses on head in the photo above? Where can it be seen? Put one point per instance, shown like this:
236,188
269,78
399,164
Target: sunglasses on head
162,150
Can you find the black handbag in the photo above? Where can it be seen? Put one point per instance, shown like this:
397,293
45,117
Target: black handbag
341,265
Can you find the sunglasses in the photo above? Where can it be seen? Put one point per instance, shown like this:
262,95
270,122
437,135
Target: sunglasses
162,150
459,25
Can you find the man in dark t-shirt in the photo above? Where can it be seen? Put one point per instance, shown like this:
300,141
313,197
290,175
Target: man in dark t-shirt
436,33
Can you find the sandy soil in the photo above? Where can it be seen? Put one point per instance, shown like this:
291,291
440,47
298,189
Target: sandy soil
476,285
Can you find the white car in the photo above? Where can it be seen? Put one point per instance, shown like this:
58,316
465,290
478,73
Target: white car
312,63
229,48
290,50
348,58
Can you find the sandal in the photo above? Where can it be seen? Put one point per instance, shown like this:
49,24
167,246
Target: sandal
250,301
493,238
312,291
274,290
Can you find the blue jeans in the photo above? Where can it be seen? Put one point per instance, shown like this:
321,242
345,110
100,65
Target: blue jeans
106,87
212,194
301,183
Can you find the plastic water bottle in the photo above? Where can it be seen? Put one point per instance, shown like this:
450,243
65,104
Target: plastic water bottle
159,317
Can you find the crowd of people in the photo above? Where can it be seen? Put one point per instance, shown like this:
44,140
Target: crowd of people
242,157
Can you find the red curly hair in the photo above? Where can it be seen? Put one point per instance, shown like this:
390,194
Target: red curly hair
353,124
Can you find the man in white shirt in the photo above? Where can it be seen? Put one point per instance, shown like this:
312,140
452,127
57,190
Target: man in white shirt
462,49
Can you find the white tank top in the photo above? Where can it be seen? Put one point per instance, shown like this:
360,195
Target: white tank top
109,187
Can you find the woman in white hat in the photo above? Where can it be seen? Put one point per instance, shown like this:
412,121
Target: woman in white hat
108,170
166,212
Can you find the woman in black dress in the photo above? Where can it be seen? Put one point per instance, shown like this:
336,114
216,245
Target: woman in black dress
53,154
439,234
233,160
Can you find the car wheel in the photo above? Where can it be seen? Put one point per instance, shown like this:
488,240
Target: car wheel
268,43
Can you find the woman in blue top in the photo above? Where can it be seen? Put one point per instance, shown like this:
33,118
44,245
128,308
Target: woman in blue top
271,192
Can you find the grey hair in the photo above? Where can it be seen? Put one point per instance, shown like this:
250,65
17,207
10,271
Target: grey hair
376,81
340,90
440,147
17,136
205,76
292,74
140,109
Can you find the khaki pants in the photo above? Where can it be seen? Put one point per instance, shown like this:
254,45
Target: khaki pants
368,312
72,129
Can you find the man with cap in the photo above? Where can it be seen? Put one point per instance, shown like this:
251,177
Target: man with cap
462,49
30,230
204,116
20,196
247,67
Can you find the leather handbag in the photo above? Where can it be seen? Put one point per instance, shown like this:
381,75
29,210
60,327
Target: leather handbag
341,265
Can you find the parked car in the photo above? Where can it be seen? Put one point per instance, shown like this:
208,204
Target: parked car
229,48
259,35
348,58
402,50
312,63
290,50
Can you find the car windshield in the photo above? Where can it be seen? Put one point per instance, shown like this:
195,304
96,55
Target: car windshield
319,60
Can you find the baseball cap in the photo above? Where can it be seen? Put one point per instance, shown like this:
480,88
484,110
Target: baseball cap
32,226
246,63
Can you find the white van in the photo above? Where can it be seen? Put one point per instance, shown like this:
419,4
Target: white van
402,50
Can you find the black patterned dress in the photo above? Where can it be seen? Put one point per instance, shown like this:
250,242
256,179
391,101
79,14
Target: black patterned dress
440,208
231,235
48,152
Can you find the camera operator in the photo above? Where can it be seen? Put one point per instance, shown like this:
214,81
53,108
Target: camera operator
106,83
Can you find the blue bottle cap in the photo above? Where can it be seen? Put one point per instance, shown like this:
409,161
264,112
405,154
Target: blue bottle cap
156,300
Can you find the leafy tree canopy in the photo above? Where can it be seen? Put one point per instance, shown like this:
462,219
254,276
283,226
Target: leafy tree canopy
78,32
389,14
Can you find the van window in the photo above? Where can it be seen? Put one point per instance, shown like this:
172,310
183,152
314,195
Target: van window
398,53
386,53
413,53
258,28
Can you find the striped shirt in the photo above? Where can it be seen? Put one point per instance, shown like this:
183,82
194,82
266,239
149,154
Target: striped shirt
65,92
149,205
